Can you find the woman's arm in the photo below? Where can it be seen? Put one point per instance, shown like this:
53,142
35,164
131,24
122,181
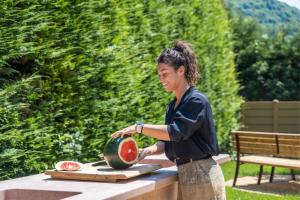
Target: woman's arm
157,148
159,132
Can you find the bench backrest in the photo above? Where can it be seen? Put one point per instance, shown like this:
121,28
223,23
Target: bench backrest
266,143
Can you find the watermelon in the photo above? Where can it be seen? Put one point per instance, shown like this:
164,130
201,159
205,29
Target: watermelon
68,165
121,153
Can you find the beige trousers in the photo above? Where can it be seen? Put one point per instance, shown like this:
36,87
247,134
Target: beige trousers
201,179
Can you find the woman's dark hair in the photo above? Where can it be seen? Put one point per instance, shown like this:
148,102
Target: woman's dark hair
181,55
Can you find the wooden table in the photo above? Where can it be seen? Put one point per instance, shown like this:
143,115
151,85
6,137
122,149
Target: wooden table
161,184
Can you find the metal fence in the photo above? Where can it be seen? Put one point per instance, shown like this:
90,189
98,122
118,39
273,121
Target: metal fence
271,116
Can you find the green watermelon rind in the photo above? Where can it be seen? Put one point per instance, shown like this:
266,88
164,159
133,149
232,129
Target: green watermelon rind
112,154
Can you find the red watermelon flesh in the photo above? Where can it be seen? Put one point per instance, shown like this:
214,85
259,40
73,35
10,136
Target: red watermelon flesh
68,165
129,151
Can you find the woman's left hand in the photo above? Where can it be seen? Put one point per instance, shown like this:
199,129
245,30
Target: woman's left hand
126,131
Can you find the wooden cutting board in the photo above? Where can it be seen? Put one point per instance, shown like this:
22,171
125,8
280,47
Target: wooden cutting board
101,172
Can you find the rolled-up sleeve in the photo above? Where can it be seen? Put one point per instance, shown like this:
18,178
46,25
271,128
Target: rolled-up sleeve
188,118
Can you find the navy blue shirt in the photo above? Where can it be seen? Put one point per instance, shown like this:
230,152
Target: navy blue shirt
191,127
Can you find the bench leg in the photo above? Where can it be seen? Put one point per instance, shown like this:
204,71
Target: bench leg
236,173
260,174
272,175
293,174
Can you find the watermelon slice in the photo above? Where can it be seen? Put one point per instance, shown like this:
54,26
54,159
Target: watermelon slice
68,166
121,153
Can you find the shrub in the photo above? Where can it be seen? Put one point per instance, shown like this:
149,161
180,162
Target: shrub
73,72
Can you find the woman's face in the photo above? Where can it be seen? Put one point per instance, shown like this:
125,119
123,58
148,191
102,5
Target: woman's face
169,77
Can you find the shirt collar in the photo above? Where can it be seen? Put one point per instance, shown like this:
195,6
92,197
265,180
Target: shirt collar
183,98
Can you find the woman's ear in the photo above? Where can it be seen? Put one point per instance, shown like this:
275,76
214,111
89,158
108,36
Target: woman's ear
181,70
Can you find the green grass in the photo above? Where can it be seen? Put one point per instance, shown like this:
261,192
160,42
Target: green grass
252,170
235,194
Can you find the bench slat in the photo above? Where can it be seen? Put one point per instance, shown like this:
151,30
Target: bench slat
269,140
257,145
255,139
292,154
284,147
277,162
266,134
261,135
289,148
289,142
261,151
290,137
268,152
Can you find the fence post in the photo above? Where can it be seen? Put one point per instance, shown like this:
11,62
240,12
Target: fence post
275,115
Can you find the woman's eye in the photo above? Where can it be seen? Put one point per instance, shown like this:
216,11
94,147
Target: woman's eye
164,75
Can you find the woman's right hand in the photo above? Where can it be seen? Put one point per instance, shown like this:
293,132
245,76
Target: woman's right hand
144,152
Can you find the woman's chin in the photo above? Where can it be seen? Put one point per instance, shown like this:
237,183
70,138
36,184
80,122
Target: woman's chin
167,89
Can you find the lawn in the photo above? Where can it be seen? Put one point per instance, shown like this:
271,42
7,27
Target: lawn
252,170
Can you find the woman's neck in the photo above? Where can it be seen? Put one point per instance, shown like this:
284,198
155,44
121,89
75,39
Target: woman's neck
180,91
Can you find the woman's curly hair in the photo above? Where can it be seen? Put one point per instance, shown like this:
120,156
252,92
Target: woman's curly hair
181,55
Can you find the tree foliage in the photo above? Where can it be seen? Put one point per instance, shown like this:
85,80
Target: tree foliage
268,66
272,15
72,72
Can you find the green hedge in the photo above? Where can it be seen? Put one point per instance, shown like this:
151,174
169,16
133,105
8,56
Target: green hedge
73,72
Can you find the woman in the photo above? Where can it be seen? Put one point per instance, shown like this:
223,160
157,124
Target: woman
189,136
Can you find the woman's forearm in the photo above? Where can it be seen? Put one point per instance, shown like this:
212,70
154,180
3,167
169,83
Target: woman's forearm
159,132
157,148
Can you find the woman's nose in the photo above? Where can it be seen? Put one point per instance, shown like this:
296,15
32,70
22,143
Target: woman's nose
161,80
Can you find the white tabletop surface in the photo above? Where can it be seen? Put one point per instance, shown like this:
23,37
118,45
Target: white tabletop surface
100,190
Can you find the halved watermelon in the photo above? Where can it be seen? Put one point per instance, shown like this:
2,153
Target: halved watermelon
68,165
121,153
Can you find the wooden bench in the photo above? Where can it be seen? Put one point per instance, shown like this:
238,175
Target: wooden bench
265,148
